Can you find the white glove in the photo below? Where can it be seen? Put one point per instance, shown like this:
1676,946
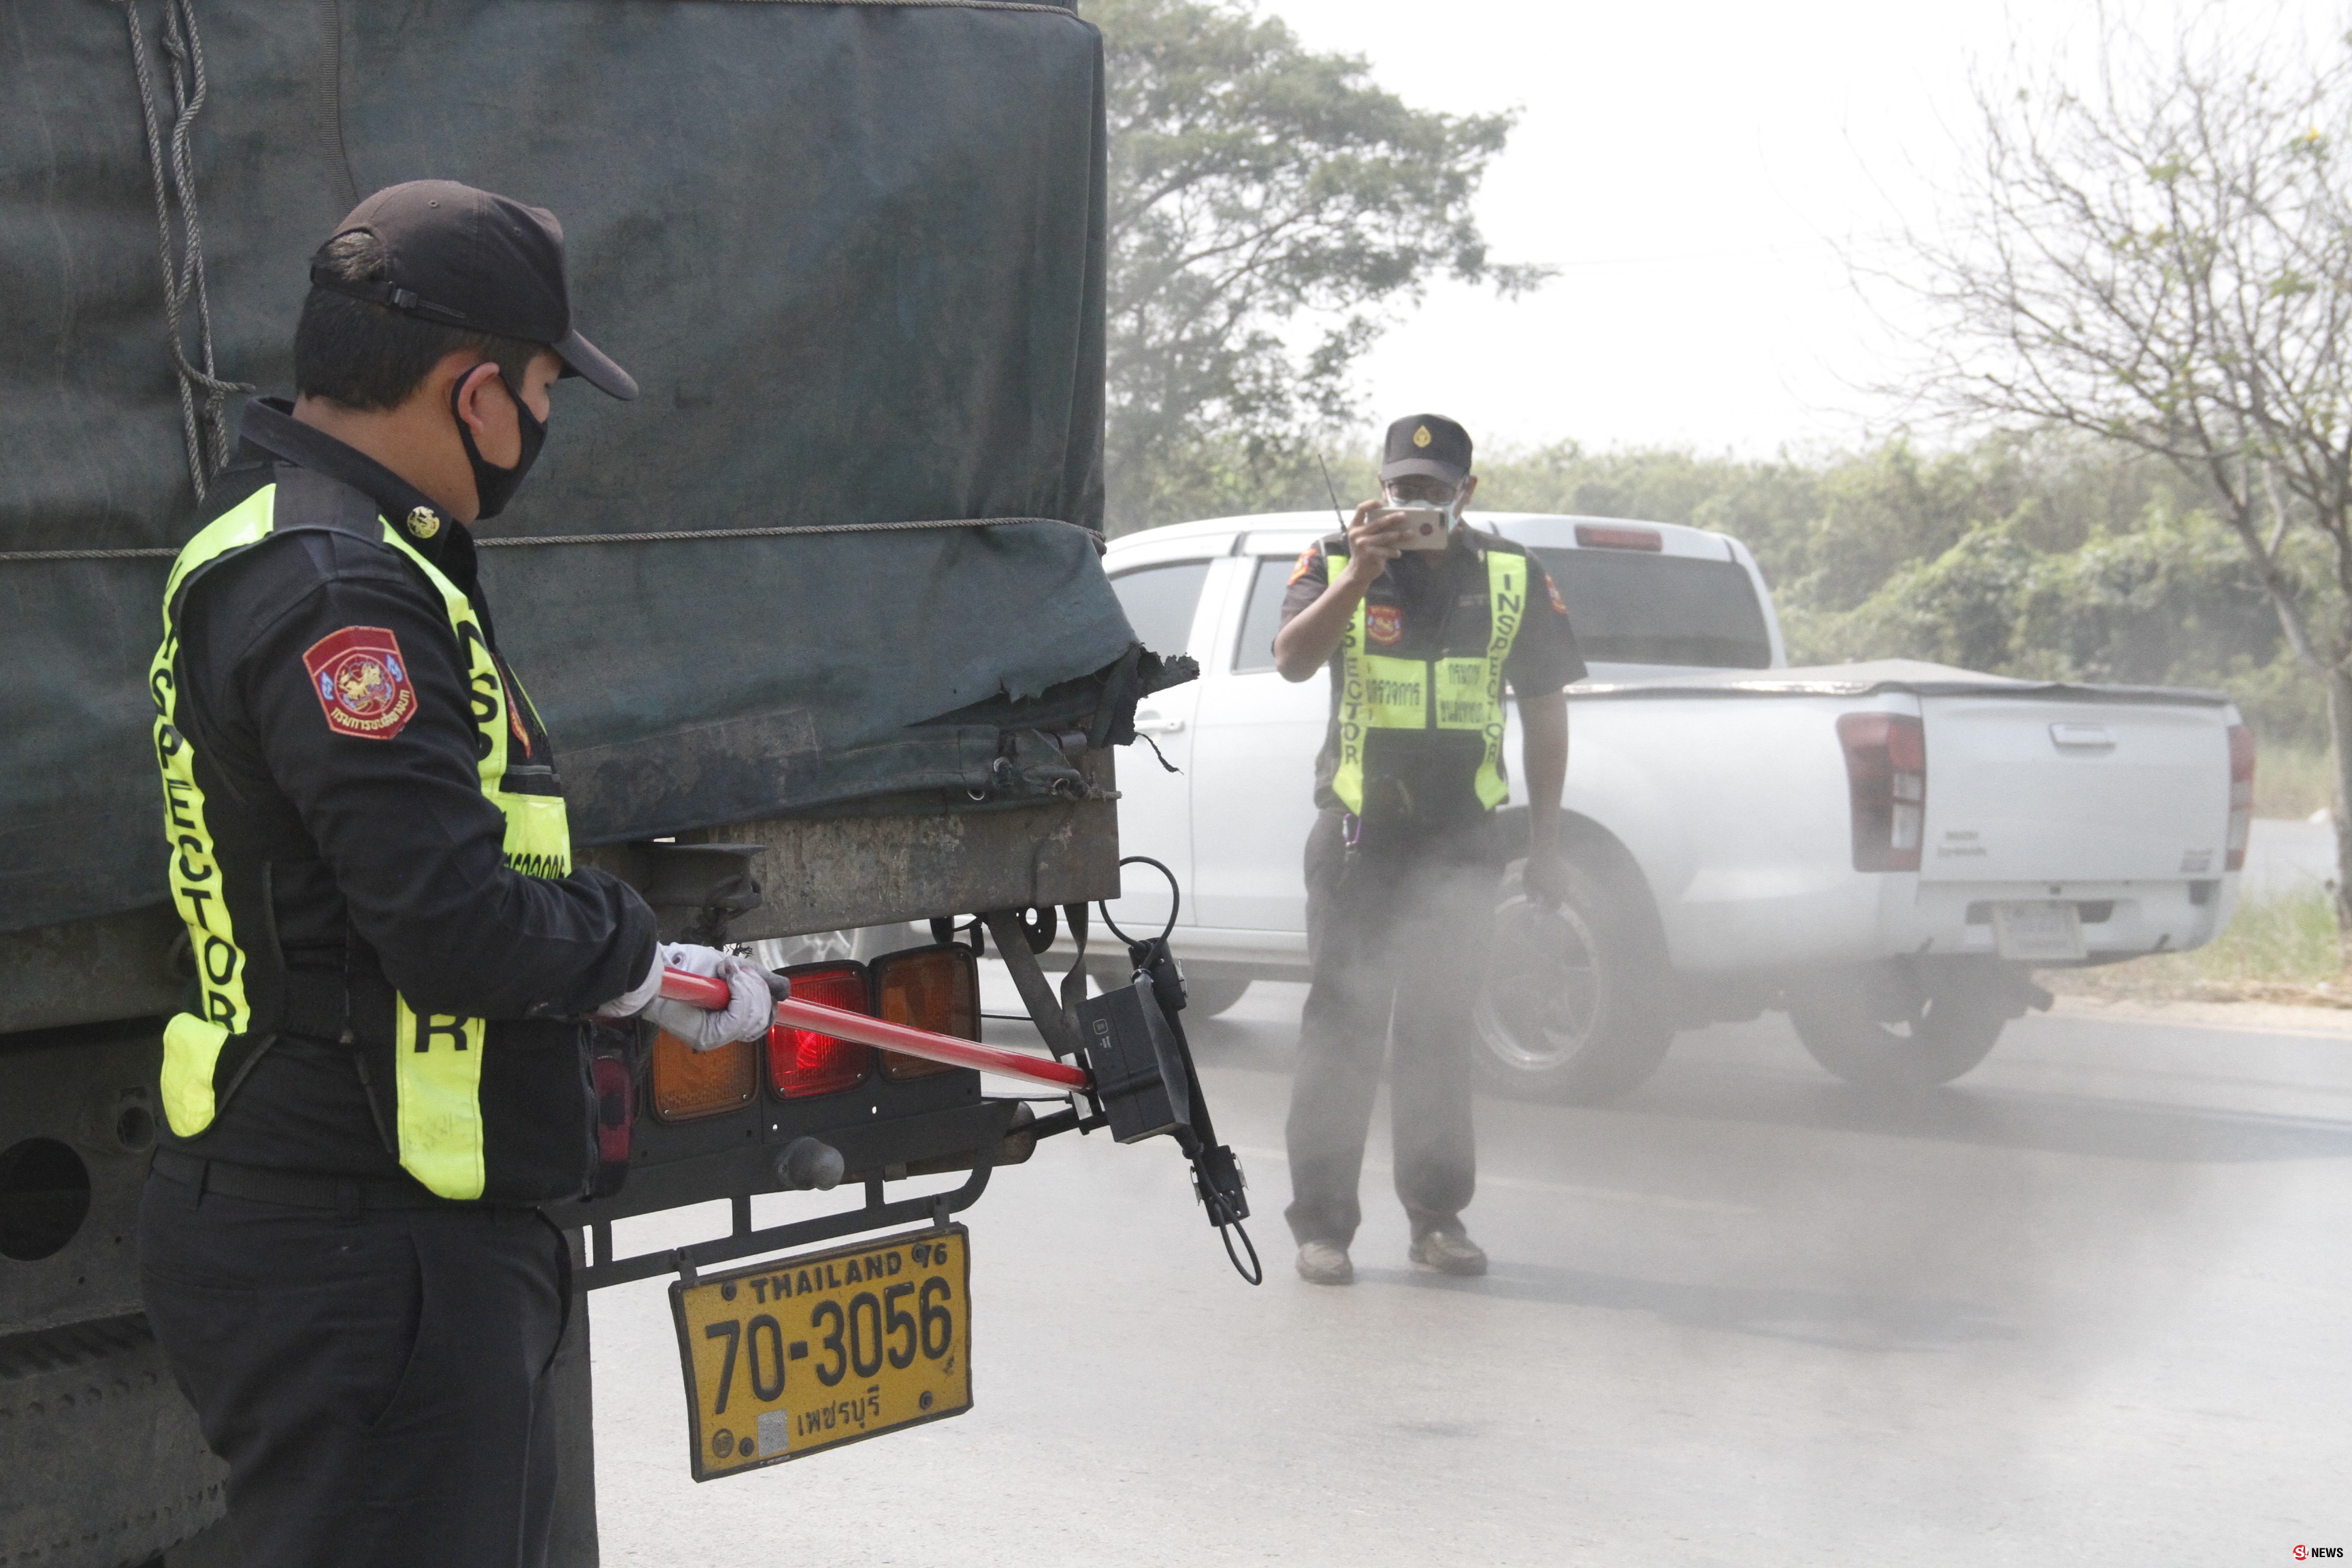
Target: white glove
750,1005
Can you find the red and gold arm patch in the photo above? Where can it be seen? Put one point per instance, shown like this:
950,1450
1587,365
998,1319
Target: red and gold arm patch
1553,589
361,682
1306,565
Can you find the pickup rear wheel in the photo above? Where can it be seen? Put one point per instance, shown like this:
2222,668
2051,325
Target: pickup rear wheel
1571,1008
1207,997
1943,1036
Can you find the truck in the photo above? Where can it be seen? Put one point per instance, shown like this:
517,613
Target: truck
818,626
1884,850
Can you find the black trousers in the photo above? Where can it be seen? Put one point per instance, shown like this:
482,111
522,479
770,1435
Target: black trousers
376,1383
1396,932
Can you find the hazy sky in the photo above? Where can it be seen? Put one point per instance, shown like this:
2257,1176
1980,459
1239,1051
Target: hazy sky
1698,171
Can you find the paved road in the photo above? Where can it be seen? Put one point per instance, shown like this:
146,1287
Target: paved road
2090,1303
2286,857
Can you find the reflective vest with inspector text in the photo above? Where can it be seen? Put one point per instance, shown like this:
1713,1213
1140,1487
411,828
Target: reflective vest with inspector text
438,1112
1387,705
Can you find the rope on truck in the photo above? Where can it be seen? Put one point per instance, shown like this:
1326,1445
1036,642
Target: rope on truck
184,276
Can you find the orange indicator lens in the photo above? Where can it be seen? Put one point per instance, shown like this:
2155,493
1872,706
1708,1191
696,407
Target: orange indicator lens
934,988
689,1085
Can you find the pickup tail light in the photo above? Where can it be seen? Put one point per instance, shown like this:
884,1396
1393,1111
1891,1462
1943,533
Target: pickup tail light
2242,793
1886,777
689,1085
802,1063
1602,536
934,988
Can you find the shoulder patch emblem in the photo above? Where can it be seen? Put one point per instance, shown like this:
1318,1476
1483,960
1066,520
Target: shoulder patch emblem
1306,565
1385,622
1553,589
361,682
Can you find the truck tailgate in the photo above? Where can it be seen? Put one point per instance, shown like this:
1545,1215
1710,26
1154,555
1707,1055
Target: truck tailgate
2028,788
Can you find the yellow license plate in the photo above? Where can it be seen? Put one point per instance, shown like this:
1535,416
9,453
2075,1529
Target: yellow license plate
789,1357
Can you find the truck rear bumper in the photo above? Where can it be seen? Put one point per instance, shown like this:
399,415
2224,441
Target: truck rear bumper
2119,919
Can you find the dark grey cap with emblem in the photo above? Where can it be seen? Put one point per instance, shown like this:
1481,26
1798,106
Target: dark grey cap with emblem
480,262
1426,443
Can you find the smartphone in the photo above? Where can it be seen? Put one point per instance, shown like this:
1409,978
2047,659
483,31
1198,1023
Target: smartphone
1425,525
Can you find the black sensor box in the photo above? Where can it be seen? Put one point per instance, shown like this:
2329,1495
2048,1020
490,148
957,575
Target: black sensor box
1139,1071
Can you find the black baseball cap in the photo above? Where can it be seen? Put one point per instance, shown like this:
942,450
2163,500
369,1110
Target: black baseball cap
481,262
1426,443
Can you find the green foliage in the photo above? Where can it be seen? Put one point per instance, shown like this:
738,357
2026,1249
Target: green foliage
2269,945
2047,555
2293,938
1266,202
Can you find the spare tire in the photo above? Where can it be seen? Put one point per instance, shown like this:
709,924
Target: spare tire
104,1461
1574,1005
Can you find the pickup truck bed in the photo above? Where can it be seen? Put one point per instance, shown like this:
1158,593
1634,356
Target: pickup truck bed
1885,850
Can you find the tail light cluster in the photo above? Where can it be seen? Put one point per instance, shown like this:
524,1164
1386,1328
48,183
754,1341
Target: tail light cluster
2242,792
1887,776
935,988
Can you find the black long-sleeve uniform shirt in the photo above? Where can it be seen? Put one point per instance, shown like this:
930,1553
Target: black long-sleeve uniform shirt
376,857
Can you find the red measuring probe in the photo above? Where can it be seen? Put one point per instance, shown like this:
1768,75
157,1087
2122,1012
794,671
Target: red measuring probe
702,991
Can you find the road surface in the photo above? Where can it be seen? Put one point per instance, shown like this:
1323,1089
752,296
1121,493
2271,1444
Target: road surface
2286,857
2094,1302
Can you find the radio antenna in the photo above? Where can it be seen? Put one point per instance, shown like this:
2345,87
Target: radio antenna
1333,491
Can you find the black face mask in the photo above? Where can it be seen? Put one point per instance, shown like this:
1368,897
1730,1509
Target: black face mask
494,485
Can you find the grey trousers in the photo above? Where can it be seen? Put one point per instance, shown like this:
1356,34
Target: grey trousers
1396,932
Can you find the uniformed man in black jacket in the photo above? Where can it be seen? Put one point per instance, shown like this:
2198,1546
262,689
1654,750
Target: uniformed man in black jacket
1423,622
382,1069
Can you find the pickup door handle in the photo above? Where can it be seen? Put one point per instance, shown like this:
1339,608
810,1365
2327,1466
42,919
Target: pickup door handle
1153,724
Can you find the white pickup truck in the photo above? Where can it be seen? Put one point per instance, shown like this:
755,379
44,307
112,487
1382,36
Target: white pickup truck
1884,850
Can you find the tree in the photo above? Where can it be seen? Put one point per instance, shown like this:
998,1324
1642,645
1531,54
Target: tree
1266,202
2163,259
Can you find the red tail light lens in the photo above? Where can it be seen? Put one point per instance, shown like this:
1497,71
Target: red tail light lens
802,1062
1887,776
934,988
1600,536
617,1108
2242,793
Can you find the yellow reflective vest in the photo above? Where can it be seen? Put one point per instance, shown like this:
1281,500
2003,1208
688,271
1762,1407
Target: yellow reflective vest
1389,708
442,1116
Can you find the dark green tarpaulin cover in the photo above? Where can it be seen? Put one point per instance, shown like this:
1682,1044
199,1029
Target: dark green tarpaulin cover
852,252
